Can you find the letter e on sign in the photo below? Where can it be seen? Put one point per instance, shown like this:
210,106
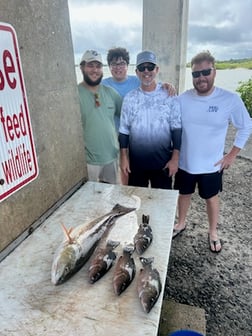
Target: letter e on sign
18,161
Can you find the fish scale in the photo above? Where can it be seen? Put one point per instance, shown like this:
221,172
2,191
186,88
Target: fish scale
102,261
144,236
125,270
148,284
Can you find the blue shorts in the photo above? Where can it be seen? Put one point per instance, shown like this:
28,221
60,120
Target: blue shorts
208,185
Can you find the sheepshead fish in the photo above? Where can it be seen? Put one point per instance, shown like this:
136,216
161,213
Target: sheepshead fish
125,270
80,243
102,260
143,237
148,284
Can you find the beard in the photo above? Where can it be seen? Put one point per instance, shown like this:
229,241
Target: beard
90,82
203,86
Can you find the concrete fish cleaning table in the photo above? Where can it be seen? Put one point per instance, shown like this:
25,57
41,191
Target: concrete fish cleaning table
31,305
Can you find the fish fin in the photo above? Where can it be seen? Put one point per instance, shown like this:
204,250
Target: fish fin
138,201
145,219
67,233
70,230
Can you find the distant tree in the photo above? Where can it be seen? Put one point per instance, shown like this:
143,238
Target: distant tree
245,90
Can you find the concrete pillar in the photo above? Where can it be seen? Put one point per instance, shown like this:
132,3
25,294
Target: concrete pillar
45,45
165,32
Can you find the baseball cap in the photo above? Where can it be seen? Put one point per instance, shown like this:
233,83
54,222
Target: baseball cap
90,56
146,56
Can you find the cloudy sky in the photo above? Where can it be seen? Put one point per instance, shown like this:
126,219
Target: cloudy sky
225,28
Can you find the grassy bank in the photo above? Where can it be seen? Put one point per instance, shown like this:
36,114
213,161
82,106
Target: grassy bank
232,64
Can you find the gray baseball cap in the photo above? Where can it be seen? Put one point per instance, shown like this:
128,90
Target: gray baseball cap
146,56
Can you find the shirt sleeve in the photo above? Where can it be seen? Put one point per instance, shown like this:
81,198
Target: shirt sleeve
241,120
123,140
176,120
176,135
124,127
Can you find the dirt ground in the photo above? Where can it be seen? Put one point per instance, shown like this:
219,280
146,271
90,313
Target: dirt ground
218,283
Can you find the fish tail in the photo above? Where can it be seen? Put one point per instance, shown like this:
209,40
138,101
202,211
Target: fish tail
112,243
120,210
129,248
146,261
145,219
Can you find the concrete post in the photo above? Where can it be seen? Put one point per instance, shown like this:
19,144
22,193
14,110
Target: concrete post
165,33
45,45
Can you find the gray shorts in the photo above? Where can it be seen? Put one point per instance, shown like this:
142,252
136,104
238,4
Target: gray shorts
107,173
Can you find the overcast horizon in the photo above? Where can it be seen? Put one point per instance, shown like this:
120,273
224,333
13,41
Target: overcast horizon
223,28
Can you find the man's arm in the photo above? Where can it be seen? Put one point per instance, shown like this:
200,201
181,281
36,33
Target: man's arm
124,158
172,164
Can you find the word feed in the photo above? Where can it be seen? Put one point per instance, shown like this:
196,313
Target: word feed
18,162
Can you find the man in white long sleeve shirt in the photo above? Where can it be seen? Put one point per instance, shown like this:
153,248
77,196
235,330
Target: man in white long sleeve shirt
206,113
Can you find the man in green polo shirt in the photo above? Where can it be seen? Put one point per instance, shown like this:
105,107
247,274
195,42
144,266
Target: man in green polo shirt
99,105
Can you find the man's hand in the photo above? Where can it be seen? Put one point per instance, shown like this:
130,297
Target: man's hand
169,88
124,162
228,159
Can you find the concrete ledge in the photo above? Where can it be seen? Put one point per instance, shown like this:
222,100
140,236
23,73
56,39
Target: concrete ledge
176,316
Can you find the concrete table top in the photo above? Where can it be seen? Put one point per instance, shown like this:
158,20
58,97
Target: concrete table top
31,305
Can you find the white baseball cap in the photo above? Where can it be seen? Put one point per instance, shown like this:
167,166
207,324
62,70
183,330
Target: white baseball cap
90,56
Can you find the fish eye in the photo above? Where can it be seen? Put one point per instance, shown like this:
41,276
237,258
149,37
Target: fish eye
66,270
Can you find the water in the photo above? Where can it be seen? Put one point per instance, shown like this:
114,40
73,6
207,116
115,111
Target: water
227,79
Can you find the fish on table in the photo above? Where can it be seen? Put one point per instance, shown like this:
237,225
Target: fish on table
102,260
125,270
148,284
144,235
80,243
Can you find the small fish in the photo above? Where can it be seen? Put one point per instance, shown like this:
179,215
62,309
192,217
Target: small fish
125,270
102,260
144,236
148,284
80,243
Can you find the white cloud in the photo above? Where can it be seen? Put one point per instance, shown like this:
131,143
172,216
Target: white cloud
101,25
222,27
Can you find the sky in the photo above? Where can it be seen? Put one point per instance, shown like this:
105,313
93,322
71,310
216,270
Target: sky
224,28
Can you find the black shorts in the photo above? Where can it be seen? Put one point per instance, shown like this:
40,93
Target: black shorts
155,178
209,185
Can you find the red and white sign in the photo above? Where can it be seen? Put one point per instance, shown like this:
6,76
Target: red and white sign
18,161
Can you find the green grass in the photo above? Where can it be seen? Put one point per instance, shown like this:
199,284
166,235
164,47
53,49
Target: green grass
232,64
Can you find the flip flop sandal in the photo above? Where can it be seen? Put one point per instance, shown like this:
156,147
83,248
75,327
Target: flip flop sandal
214,243
176,233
